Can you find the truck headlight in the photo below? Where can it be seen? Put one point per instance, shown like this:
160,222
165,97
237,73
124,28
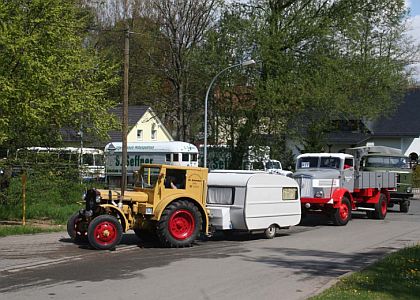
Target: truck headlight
319,194
290,193
409,189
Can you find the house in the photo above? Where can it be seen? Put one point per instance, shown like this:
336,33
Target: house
143,126
401,130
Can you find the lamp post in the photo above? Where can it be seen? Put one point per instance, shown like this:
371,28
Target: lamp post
245,63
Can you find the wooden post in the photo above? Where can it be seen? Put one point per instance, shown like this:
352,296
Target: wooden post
24,198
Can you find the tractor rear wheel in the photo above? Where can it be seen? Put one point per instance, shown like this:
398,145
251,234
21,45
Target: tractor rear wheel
342,215
179,225
104,232
381,208
77,228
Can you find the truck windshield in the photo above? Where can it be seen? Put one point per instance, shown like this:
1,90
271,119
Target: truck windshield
147,177
389,162
318,162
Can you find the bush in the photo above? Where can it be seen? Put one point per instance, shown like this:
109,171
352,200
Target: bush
51,193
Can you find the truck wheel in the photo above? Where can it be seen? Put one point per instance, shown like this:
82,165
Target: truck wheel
77,228
104,232
404,206
381,208
179,224
341,215
270,232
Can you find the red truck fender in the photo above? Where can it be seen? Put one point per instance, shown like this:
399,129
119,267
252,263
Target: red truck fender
339,194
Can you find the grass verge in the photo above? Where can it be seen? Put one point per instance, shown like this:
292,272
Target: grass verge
6,230
397,276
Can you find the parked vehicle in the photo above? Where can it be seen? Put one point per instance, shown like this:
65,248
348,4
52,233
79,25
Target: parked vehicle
252,202
271,166
170,204
138,153
333,184
381,158
89,161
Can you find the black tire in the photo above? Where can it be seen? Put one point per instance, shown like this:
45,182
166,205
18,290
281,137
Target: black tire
77,229
342,215
179,225
404,206
381,208
104,232
270,232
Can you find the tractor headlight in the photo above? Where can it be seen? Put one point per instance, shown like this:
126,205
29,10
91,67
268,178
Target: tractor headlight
290,193
149,211
98,199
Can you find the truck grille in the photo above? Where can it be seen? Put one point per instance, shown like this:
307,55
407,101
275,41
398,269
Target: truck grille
305,185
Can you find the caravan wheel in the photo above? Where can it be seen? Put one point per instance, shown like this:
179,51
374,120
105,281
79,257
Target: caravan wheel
270,232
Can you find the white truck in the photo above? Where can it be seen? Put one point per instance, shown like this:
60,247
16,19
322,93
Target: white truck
271,166
333,184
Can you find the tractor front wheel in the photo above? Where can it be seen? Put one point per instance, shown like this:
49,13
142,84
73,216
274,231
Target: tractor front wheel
104,232
179,225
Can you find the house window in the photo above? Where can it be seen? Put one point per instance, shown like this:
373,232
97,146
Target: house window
139,134
153,133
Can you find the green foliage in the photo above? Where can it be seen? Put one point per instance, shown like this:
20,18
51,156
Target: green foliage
51,193
50,77
395,277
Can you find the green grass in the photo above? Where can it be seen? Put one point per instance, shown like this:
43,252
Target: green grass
397,276
6,230
50,195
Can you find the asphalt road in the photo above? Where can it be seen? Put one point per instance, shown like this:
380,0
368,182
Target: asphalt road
295,265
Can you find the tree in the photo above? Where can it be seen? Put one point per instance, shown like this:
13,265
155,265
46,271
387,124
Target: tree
50,76
320,60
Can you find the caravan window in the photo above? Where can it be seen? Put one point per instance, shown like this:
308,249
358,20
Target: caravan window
185,157
220,195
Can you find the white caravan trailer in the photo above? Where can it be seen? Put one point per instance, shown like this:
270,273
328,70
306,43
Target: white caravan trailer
252,201
169,153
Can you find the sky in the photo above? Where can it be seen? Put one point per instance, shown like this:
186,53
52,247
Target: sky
414,6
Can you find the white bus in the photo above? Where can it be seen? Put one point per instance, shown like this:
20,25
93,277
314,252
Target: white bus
91,163
170,153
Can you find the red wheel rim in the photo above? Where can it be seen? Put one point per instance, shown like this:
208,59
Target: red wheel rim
344,211
181,224
383,207
105,233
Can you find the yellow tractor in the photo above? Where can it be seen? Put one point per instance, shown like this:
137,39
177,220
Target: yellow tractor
167,203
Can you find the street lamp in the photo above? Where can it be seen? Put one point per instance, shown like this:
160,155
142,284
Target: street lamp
245,63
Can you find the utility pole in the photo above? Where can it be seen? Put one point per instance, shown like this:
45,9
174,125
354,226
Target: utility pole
125,101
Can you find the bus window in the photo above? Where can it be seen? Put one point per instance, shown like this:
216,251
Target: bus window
185,157
88,159
168,157
99,159
194,157
175,157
